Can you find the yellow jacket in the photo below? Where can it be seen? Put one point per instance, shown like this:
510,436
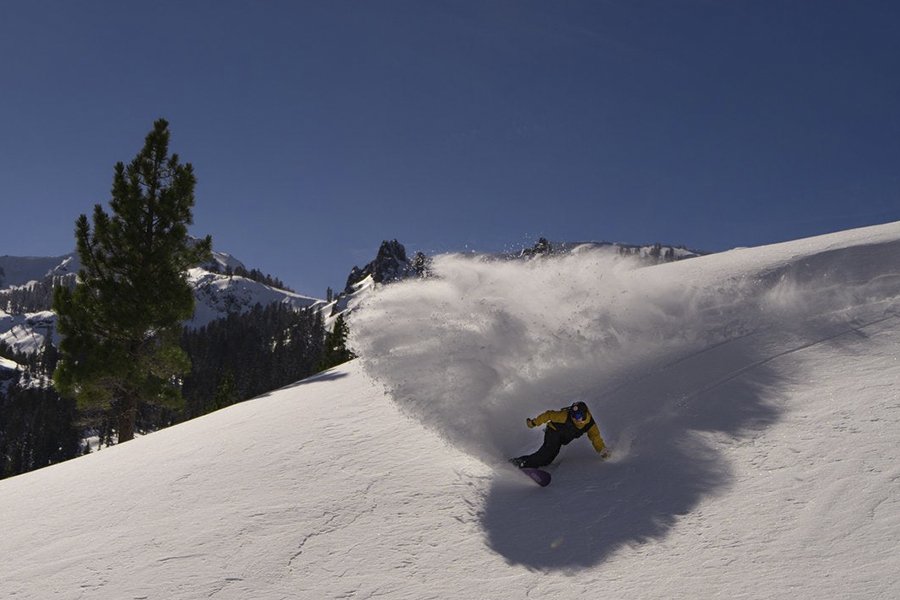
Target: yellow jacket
559,420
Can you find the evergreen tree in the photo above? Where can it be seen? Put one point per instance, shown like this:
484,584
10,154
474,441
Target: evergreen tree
336,351
244,355
121,323
226,393
36,429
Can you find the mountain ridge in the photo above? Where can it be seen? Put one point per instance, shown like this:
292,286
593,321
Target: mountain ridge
219,291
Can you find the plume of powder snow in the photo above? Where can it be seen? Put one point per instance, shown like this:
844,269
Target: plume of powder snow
474,350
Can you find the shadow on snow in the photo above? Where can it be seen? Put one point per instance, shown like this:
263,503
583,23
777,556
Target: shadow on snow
663,466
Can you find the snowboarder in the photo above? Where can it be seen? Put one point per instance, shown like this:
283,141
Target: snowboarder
563,426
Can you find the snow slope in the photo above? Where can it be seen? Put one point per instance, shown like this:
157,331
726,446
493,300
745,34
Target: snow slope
750,398
19,270
27,333
217,295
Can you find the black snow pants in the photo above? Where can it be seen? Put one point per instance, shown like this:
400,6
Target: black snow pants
546,453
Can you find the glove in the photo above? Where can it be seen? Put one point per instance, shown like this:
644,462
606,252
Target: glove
530,422
604,454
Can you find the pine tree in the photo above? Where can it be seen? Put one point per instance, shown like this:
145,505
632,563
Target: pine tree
226,393
336,351
121,323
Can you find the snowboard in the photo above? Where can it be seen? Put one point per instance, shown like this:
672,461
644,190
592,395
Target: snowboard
540,477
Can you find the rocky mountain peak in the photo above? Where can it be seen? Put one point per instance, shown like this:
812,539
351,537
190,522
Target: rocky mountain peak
390,264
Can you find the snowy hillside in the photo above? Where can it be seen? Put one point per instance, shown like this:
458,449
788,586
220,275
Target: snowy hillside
8,369
750,399
27,333
19,270
217,295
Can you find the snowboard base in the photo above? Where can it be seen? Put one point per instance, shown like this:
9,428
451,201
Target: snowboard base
540,477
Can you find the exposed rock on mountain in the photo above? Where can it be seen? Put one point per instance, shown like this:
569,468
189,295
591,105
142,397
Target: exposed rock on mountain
390,264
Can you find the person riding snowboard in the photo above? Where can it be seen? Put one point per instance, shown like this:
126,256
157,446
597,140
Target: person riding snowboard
563,426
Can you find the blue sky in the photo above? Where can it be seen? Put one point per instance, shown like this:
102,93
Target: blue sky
318,129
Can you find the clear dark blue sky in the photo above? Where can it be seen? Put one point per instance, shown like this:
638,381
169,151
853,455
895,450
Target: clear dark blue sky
318,129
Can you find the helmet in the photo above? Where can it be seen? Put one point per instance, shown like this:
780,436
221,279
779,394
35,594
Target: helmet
578,410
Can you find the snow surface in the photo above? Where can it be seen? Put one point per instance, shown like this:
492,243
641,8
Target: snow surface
27,333
219,295
9,365
20,270
750,399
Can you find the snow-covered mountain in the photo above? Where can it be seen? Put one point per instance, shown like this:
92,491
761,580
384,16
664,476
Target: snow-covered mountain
391,264
27,333
20,270
218,293
749,398
652,252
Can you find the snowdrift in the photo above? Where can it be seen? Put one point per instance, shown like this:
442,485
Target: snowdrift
750,399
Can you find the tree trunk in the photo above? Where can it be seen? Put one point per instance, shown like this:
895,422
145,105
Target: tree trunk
127,417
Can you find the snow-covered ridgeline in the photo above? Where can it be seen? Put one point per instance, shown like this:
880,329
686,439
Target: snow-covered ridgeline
20,270
27,333
217,295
